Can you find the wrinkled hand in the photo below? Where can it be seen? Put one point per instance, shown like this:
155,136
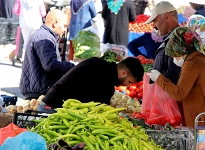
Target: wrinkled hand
154,74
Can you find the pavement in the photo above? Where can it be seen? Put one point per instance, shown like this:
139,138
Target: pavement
9,74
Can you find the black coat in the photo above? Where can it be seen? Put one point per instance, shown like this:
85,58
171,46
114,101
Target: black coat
116,26
164,64
91,80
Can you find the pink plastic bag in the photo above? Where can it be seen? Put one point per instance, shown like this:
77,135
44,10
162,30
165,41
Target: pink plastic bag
161,106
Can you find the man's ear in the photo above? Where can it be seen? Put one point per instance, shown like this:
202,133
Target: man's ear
55,24
168,17
124,72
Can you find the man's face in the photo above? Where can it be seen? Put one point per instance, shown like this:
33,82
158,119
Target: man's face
160,23
61,26
126,79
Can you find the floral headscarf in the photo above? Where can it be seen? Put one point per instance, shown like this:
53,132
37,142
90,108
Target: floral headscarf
197,22
184,41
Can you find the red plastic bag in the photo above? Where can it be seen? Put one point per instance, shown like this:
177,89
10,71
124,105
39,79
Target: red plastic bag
162,107
10,131
148,94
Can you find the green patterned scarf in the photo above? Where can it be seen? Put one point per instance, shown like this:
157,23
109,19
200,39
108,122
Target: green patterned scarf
184,41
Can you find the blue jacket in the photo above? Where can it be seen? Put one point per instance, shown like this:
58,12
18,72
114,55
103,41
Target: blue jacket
145,40
41,69
82,19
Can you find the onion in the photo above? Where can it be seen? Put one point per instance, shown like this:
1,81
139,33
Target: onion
125,98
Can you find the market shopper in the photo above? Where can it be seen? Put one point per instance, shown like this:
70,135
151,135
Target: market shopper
150,41
165,19
92,80
42,65
117,15
199,6
185,46
197,22
30,18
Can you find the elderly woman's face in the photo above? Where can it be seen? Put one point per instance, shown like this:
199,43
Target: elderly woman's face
177,58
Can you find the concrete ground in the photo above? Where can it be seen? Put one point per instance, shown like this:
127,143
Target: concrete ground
9,74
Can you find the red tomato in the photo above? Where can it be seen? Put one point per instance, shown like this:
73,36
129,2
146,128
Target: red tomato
139,95
133,94
138,90
140,83
143,61
132,88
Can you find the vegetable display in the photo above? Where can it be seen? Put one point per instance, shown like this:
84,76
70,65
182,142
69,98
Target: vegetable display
86,45
97,125
111,56
139,24
135,90
121,100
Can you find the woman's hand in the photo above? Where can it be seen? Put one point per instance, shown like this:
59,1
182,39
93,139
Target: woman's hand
154,75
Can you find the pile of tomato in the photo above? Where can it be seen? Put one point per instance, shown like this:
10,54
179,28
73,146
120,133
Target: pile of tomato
139,24
135,90
144,60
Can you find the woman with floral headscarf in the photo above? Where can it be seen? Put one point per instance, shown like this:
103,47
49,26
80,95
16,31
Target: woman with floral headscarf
197,22
185,46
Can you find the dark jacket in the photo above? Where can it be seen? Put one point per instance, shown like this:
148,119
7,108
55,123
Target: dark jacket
41,69
116,26
145,40
164,64
91,80
200,11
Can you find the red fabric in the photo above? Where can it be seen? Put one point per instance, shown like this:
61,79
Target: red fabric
10,131
71,51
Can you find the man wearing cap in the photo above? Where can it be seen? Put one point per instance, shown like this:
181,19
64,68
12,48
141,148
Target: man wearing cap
165,19
198,5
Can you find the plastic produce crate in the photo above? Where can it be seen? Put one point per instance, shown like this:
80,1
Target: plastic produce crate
8,30
176,139
25,120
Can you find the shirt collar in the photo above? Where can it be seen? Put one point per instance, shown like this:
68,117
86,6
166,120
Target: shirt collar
52,32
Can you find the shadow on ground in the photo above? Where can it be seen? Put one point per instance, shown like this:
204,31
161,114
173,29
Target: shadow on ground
13,90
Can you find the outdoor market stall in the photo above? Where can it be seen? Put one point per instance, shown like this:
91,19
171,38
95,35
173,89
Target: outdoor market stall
123,125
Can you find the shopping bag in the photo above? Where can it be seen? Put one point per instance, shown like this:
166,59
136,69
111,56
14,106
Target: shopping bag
25,141
148,94
10,131
161,106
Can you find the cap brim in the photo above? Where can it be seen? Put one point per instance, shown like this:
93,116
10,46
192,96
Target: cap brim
151,18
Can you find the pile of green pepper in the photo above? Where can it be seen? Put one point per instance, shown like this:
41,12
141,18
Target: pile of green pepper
97,125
